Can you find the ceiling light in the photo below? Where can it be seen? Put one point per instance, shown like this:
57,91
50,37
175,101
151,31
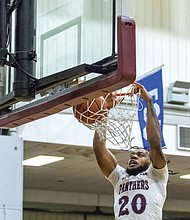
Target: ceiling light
187,176
41,160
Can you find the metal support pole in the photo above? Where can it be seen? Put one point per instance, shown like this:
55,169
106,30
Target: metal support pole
3,31
25,38
2,93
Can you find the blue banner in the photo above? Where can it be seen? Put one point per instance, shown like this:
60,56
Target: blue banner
153,84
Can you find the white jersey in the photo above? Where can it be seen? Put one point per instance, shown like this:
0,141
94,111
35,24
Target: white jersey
141,196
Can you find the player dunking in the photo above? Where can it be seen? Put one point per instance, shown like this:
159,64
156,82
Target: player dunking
139,189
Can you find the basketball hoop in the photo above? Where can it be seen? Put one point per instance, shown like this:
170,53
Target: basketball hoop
115,122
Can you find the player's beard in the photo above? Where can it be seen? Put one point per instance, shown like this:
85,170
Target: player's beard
137,170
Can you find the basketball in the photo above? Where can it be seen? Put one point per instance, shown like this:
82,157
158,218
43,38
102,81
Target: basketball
91,111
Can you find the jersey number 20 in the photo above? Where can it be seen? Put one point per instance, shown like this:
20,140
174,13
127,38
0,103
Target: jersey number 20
137,207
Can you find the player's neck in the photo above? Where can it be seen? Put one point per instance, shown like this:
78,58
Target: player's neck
137,170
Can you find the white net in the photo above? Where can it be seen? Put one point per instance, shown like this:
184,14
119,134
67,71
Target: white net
114,119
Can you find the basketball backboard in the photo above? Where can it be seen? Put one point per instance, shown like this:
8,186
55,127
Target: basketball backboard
80,47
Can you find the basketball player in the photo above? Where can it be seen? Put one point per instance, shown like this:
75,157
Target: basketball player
140,188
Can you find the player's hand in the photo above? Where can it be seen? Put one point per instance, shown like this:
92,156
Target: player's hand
111,100
141,91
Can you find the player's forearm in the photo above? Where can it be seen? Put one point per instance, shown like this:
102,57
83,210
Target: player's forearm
97,143
106,160
152,127
154,138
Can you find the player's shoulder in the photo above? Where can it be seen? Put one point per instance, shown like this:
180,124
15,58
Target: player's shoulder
118,173
119,170
158,173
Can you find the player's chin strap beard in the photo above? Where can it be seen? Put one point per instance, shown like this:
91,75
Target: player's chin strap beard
137,170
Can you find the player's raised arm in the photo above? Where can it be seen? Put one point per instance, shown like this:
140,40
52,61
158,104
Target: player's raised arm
152,129
106,160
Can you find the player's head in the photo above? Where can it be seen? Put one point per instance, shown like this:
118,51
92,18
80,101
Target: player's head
138,162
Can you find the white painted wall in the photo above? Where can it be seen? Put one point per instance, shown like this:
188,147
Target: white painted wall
163,37
11,172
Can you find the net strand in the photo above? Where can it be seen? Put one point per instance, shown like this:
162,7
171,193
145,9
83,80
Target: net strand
114,124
